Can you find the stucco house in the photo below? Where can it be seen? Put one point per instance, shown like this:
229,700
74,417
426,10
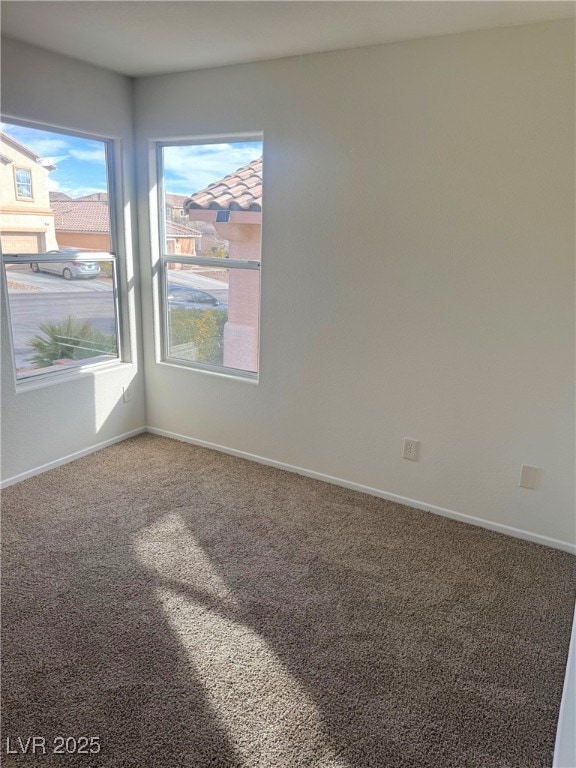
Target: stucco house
182,238
26,218
233,205
84,222
175,206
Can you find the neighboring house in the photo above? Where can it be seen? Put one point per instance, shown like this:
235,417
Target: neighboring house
26,219
240,192
59,196
83,222
97,196
233,206
175,207
182,238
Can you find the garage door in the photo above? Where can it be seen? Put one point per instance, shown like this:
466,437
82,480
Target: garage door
21,242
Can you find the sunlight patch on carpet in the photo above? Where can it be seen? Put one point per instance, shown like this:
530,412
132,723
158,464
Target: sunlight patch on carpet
263,708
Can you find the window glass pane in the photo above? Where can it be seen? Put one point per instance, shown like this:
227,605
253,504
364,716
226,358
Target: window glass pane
24,190
23,183
213,199
212,315
60,323
63,312
211,208
65,182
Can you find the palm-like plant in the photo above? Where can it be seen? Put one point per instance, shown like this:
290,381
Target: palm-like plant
72,339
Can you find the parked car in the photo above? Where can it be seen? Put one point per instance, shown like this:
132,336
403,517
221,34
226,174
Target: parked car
186,297
68,269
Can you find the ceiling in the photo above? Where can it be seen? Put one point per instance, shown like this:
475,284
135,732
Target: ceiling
145,37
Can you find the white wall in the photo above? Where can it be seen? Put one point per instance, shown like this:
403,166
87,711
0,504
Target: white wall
418,268
44,425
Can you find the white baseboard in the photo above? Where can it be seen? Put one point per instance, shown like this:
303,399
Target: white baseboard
565,750
70,457
414,503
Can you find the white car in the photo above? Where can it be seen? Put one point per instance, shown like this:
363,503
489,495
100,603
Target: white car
68,269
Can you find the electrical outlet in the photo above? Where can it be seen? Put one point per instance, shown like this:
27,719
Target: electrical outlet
529,477
411,448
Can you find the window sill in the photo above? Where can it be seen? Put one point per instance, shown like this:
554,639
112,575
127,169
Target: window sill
56,378
248,378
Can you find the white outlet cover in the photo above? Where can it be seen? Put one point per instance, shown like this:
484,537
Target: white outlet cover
529,477
411,449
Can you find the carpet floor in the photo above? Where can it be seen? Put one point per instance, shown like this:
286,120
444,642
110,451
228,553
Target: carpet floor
193,609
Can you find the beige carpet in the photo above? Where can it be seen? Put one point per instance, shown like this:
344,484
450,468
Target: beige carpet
194,609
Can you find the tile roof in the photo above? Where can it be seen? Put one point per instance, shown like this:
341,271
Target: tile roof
91,215
102,196
59,196
178,229
239,191
175,201
81,215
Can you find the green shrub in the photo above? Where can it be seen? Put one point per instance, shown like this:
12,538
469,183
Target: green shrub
218,252
72,339
204,328
106,268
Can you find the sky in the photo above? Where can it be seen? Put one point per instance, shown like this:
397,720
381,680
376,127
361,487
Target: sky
81,163
191,167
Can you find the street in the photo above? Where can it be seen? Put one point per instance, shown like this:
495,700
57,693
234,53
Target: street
40,297
216,288
28,310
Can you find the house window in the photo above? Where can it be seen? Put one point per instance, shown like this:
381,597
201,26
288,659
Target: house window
210,292
59,260
23,180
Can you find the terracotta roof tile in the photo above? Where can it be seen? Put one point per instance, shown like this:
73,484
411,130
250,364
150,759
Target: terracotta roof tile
99,196
179,229
81,215
175,201
59,196
90,215
239,191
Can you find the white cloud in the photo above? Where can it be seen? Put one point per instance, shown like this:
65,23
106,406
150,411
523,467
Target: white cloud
71,189
193,167
37,144
54,160
97,155
44,147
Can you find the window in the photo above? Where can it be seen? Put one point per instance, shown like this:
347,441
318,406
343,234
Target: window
58,255
23,183
210,273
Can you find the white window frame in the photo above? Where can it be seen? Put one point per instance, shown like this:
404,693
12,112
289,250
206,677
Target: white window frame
165,258
27,183
41,378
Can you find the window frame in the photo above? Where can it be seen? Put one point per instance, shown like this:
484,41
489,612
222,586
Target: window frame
25,198
164,258
114,191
